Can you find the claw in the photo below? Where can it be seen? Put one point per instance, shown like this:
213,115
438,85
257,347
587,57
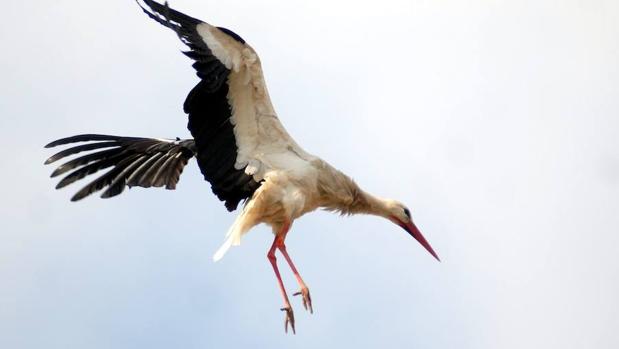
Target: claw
307,299
289,319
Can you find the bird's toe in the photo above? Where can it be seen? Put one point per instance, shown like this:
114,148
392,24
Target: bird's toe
289,319
307,299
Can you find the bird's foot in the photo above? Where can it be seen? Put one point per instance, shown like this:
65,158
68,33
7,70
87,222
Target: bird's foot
289,319
307,299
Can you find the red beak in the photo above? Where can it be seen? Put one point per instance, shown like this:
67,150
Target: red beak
412,229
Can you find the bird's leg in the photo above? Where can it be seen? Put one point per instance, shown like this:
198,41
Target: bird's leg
304,291
271,256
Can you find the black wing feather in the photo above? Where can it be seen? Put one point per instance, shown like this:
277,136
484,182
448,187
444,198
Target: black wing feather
75,150
209,110
84,138
135,179
134,161
90,169
85,160
118,182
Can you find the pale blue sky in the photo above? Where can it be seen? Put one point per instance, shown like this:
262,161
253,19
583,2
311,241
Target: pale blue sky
495,121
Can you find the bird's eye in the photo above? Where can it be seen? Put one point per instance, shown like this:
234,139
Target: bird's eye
407,213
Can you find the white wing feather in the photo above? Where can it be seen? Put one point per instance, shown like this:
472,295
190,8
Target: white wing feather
257,129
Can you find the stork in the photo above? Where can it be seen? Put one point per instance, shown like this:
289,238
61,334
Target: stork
241,148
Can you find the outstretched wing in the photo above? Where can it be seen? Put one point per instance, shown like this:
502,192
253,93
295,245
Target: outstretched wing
230,113
143,162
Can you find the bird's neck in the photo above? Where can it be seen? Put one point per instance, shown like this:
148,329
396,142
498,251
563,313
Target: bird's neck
354,200
373,205
340,193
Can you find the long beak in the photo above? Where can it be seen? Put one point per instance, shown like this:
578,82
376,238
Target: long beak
412,229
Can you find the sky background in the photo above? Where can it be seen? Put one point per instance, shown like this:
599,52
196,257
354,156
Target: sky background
497,122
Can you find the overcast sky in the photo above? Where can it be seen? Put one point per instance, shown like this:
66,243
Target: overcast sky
497,122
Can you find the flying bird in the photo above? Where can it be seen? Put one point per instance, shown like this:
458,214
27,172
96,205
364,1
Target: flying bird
241,147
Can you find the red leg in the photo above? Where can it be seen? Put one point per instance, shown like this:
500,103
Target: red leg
271,256
307,299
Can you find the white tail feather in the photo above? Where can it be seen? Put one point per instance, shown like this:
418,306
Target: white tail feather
223,249
233,238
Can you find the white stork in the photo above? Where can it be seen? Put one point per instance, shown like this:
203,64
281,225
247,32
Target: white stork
241,147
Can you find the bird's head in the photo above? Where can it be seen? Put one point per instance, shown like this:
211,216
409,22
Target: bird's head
399,214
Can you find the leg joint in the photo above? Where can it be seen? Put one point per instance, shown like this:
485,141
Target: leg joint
271,256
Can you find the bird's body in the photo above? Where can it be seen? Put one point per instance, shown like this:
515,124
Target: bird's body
288,192
241,147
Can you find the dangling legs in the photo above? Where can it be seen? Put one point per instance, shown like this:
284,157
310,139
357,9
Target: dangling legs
279,239
279,243
304,291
